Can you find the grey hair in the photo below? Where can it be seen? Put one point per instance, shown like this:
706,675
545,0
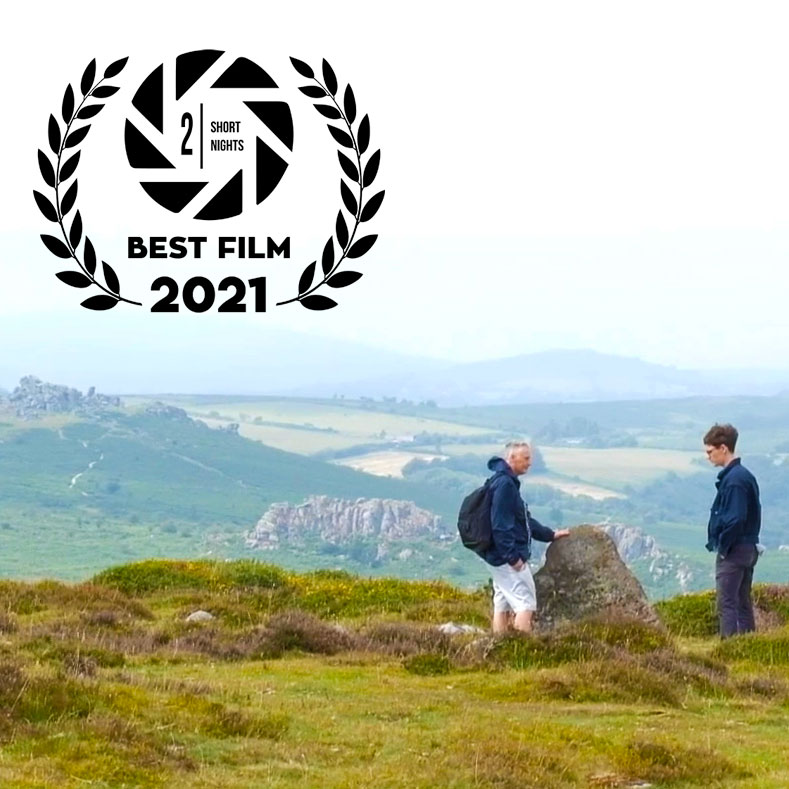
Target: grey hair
511,447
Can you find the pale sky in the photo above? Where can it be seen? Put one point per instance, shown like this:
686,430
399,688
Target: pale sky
608,175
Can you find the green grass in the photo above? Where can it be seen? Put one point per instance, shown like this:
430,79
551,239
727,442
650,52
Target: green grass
103,683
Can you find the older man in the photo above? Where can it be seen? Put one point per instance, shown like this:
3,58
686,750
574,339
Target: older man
512,530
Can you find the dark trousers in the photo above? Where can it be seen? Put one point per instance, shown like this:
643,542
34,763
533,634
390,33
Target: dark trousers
733,578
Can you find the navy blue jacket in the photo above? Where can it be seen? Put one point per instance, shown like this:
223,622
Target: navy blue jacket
736,514
511,523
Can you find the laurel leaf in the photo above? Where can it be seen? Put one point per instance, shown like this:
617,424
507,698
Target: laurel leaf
343,278
74,278
329,77
361,247
67,170
348,167
349,103
76,137
327,259
317,302
104,91
46,207
101,302
67,110
56,246
341,230
87,77
90,257
47,171
54,134
302,68
371,168
89,112
115,68
328,111
110,277
372,206
341,136
67,203
75,236
363,137
313,91
306,278
348,198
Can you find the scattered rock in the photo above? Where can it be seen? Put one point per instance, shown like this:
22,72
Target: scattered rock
199,616
584,576
451,629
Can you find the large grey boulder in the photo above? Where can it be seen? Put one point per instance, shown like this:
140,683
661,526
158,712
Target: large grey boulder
584,576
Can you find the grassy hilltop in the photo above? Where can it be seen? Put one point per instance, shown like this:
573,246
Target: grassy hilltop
326,679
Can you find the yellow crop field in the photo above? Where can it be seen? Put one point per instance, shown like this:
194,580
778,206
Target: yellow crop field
617,467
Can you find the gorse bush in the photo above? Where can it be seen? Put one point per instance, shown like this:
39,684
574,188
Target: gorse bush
690,614
427,664
770,649
342,594
327,593
696,614
155,575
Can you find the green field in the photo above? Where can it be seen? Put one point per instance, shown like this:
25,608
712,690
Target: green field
662,424
298,425
618,467
335,681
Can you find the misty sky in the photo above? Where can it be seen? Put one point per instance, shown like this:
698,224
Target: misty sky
609,175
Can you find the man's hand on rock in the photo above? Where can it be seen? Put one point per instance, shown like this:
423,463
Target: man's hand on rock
561,533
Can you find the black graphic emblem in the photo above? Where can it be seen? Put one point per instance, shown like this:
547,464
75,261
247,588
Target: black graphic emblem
209,137
189,136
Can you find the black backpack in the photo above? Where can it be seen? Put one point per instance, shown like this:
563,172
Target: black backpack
474,519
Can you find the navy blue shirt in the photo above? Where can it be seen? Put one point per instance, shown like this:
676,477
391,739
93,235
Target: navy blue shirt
511,523
736,513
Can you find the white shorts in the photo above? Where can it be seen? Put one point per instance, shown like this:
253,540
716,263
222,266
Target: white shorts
513,590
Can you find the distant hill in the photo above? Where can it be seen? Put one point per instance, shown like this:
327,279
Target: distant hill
561,376
220,354
81,493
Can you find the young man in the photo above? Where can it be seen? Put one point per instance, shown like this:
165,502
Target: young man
512,530
733,531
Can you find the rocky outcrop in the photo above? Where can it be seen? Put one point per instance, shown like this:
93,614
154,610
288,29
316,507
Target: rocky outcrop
634,545
160,409
34,398
339,521
585,576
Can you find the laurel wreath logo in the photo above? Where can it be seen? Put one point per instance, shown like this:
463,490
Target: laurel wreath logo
363,176
56,176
